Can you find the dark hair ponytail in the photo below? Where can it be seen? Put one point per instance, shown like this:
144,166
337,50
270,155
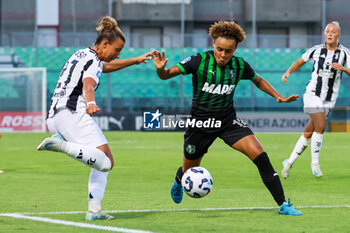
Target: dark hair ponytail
108,29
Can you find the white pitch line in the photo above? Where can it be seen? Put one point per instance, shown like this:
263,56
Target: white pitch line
183,210
75,224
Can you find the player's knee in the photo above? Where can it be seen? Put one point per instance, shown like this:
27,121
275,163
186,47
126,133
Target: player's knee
320,127
320,130
107,165
308,134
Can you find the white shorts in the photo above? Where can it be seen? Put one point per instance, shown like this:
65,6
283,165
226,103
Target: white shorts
76,127
314,104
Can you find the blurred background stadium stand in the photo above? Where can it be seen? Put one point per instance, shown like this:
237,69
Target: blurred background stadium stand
275,39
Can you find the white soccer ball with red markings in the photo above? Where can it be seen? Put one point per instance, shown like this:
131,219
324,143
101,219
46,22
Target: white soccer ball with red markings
197,182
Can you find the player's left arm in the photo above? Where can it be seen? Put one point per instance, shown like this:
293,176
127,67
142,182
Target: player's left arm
338,66
266,87
120,64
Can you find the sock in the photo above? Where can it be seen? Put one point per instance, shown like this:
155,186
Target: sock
301,145
95,206
97,186
270,177
179,175
316,144
89,155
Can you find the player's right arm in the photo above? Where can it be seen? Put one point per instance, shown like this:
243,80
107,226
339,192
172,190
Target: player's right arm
121,64
294,67
89,95
159,62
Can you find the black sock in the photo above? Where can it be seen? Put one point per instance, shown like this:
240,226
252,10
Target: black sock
179,175
270,177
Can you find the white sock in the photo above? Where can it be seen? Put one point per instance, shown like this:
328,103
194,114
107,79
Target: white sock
316,144
89,155
301,145
97,186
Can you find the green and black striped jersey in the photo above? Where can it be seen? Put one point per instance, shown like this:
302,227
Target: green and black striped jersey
214,85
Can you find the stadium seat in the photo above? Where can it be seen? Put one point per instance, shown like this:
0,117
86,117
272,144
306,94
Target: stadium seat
139,82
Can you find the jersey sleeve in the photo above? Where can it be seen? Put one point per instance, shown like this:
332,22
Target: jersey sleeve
308,54
190,64
93,70
248,72
347,58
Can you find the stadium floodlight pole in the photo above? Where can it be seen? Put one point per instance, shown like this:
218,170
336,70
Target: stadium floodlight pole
74,23
231,10
109,75
254,25
110,4
182,102
182,23
323,19
254,44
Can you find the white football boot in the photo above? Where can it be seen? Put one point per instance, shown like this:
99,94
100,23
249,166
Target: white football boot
101,215
286,167
316,170
96,213
53,143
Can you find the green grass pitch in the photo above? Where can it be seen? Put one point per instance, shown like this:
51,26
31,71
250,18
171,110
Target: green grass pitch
36,182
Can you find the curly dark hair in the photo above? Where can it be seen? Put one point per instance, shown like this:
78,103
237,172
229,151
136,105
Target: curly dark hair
228,30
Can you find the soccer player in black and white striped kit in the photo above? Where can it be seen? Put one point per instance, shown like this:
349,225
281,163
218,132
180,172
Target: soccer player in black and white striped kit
74,131
320,94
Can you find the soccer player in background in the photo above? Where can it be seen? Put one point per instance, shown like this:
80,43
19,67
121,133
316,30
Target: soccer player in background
215,74
74,131
320,95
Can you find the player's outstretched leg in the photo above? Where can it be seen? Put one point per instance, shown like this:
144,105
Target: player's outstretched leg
287,209
299,148
177,189
88,155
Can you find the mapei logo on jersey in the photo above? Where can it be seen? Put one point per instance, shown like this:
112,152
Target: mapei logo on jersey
218,89
152,120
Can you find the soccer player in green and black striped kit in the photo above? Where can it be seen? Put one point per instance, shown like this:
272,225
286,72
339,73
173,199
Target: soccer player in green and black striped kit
215,75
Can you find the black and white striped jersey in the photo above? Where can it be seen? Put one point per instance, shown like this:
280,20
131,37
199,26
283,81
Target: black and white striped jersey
325,81
69,90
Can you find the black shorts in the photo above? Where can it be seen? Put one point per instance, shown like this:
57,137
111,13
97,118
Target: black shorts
198,141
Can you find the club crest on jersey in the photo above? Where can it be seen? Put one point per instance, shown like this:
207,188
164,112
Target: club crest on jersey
80,54
186,60
218,89
336,55
232,74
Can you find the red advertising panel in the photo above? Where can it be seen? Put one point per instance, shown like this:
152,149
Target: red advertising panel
21,121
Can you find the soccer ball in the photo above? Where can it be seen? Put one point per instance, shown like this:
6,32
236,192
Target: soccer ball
197,182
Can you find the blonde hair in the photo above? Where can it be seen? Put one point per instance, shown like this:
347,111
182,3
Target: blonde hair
108,29
336,23
228,30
